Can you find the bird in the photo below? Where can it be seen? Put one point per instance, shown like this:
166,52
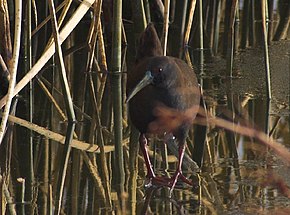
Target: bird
157,87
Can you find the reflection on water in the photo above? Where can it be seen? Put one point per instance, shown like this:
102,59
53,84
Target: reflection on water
239,175
249,180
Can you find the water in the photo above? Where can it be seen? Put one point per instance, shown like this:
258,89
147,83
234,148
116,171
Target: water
250,178
251,183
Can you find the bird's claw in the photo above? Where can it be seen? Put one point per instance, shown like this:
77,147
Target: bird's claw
158,181
169,182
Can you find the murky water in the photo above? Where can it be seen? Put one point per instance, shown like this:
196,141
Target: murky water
251,183
239,175
249,179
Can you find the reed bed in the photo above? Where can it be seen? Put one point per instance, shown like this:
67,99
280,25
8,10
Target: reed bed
66,143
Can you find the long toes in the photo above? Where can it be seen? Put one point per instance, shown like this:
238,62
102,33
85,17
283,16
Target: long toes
169,182
184,179
158,181
175,178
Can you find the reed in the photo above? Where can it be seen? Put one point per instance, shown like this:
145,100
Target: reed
80,151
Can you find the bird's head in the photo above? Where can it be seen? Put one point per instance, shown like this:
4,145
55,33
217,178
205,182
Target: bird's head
161,72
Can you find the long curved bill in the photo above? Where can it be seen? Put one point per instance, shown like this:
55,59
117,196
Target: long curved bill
146,80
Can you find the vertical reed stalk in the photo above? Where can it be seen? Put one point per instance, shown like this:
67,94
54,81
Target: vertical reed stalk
284,22
96,32
133,168
61,17
178,28
117,93
45,194
69,109
211,24
230,47
139,17
217,27
264,8
12,68
270,20
237,29
165,26
201,45
101,143
22,182
103,64
252,31
164,45
147,11
8,198
28,64
245,24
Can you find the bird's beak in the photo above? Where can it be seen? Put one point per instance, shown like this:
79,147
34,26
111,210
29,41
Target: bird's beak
147,79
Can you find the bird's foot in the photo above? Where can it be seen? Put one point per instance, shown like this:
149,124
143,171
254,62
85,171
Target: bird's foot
174,179
158,181
169,182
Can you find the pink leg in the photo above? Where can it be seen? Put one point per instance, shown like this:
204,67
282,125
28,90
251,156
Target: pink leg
162,181
143,146
154,180
178,172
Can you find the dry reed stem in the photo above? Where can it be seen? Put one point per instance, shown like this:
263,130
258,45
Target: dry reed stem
69,107
13,67
165,26
51,98
96,178
65,32
93,34
44,22
266,50
189,24
8,198
34,11
104,168
103,64
92,40
187,58
81,145
60,20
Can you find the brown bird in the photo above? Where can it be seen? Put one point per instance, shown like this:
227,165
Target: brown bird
157,87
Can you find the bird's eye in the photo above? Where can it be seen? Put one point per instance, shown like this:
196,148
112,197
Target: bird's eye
160,70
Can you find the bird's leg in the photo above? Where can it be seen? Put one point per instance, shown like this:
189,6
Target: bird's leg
178,172
143,147
154,180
